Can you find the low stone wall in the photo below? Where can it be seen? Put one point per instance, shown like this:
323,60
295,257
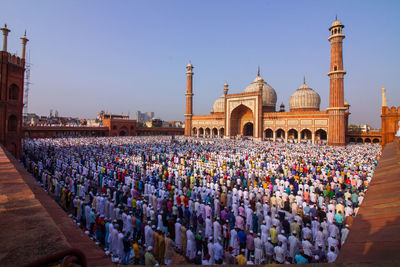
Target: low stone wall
375,233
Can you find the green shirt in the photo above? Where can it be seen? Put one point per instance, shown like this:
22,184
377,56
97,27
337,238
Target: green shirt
149,259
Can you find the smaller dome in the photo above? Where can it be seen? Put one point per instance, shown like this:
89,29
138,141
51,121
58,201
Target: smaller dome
336,23
219,104
304,99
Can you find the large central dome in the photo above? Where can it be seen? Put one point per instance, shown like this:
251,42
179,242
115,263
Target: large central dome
268,94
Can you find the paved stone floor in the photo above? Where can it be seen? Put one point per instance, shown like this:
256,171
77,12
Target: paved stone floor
32,223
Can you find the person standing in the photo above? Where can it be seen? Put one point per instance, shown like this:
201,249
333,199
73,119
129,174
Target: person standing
191,245
259,250
178,234
169,249
218,251
161,248
127,249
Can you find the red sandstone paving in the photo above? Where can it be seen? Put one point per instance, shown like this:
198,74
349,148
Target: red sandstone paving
27,231
33,225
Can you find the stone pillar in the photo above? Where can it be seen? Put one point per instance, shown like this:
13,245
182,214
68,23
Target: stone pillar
189,100
24,41
286,137
274,136
299,137
336,110
5,35
384,99
313,137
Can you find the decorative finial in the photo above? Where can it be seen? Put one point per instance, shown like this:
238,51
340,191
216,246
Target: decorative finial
336,17
189,66
226,89
258,72
304,79
25,33
5,26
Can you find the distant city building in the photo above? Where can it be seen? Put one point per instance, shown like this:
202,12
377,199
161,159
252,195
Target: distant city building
154,123
175,124
32,119
103,115
144,117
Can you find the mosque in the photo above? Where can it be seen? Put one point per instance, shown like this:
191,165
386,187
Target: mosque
253,113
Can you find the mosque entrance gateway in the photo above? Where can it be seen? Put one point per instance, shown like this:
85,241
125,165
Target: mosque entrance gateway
242,121
248,129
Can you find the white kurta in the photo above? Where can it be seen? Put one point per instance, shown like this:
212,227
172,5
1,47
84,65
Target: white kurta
178,235
191,245
258,251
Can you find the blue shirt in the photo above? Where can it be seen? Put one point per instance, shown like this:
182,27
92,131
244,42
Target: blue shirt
242,237
300,259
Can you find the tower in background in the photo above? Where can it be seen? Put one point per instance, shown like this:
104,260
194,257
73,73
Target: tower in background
337,109
12,70
189,100
390,120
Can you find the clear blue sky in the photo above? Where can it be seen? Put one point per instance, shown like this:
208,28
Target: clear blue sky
123,56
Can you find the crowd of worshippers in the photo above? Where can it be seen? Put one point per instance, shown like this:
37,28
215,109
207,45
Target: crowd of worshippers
214,201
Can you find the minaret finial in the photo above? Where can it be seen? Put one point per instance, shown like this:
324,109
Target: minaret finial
258,72
336,17
25,33
304,79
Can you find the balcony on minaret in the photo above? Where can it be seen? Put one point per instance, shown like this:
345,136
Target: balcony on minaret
336,28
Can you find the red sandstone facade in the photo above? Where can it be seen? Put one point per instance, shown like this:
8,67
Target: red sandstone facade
12,69
390,118
251,114
120,127
120,130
